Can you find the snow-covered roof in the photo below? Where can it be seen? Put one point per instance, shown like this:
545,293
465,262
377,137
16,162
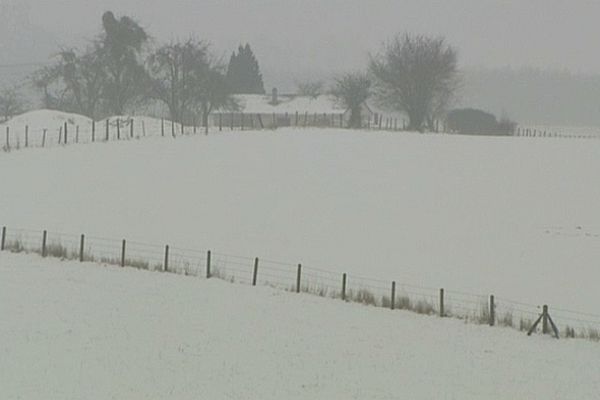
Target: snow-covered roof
262,104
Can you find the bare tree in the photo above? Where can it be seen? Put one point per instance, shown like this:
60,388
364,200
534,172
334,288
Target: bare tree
416,75
84,79
11,103
352,90
176,71
310,88
186,78
74,82
214,92
45,81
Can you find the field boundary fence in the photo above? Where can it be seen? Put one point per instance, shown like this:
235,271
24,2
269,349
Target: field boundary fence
554,133
392,294
135,128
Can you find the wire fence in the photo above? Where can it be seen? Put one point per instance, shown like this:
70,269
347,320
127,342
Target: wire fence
555,133
393,294
126,128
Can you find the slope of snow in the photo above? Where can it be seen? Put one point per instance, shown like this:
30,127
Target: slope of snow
83,331
79,128
46,119
514,217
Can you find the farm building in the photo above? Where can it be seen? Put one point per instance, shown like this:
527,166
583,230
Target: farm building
264,111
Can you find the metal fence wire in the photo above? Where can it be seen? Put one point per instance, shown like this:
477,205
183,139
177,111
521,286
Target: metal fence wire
396,295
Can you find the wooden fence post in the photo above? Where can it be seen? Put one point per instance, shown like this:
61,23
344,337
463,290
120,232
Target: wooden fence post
172,128
255,273
131,128
232,118
44,240
44,138
26,136
182,125
7,138
220,122
344,280
208,264
93,131
545,318
162,127
298,278
118,129
166,264
442,314
143,128
242,120
3,239
107,130
66,141
123,246
260,121
492,311
393,298
296,118
77,134
81,247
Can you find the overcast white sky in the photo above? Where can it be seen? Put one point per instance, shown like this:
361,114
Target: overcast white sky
338,34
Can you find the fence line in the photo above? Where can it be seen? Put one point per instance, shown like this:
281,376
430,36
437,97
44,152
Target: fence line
472,307
121,129
552,133
117,129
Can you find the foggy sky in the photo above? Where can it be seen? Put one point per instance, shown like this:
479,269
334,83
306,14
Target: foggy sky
338,34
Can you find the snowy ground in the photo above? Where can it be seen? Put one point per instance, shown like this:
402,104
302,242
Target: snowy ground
516,217
83,331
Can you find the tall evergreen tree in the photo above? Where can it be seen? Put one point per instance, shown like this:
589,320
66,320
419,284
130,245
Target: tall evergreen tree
243,72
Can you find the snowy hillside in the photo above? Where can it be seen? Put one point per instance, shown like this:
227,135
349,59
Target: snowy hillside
73,331
503,216
44,128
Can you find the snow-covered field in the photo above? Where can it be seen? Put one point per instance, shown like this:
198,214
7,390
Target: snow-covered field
514,217
509,216
44,128
83,331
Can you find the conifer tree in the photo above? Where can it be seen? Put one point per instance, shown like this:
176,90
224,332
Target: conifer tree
243,72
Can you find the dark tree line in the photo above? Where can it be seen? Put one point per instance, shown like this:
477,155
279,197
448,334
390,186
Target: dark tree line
118,70
413,74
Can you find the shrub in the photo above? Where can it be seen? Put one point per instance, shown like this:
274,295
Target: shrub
478,122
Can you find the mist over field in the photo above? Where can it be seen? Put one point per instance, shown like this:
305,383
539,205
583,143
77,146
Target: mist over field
299,199
531,60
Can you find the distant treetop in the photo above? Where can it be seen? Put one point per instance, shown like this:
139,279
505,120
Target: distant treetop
243,72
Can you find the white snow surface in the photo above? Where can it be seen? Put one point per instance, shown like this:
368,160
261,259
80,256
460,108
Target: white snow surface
83,331
514,217
46,119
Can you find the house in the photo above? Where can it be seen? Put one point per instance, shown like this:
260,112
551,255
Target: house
264,111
